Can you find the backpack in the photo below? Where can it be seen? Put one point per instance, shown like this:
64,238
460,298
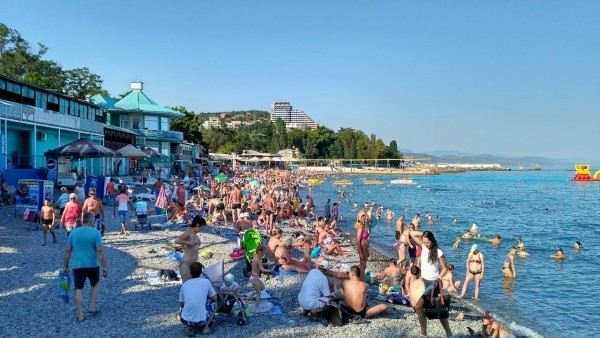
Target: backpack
333,315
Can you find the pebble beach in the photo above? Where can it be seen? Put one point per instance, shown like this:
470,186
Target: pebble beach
129,306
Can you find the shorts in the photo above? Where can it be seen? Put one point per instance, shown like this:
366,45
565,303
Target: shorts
398,234
123,216
220,206
47,222
236,206
353,313
412,252
210,310
81,274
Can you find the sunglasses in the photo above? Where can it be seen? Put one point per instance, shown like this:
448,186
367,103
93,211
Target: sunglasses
73,198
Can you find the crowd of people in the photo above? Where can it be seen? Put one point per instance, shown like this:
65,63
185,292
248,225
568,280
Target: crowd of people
298,238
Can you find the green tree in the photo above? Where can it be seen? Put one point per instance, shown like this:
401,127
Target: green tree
189,125
80,82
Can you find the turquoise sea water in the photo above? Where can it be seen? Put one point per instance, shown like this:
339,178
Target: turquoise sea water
548,298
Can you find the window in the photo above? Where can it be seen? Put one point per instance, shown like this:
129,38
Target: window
124,121
40,99
72,108
151,122
165,123
28,92
53,103
14,88
63,105
2,84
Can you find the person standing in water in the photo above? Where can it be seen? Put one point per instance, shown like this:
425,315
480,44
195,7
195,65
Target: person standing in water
475,268
508,268
191,244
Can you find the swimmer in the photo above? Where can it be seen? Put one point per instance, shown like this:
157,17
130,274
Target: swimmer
455,221
508,268
389,215
521,251
475,269
559,254
496,240
430,219
474,230
578,246
456,244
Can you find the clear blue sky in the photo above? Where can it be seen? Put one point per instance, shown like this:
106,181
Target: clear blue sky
503,77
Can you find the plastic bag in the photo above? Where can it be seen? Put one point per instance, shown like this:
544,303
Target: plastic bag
63,286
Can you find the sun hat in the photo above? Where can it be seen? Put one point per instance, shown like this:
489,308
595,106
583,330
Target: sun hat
474,247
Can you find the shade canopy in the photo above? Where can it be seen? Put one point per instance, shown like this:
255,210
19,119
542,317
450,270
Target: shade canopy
83,148
153,153
131,151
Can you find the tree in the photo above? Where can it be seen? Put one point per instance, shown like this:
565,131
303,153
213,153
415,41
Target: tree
188,124
80,82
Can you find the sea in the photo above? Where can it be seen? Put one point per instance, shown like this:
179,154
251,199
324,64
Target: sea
547,210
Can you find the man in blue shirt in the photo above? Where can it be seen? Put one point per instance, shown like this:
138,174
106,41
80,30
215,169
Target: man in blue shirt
85,247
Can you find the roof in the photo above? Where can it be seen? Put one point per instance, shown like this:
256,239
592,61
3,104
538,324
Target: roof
137,101
103,101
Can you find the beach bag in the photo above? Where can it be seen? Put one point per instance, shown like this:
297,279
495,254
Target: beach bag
63,286
168,275
333,315
437,310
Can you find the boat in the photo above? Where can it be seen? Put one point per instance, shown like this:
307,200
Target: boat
343,183
403,181
583,173
372,182
311,182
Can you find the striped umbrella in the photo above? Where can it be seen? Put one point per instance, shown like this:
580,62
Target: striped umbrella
162,201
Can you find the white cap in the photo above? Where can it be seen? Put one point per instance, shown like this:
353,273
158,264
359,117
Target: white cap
72,195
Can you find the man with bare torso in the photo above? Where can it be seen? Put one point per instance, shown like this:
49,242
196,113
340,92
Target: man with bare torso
191,244
47,218
236,202
93,205
355,297
269,207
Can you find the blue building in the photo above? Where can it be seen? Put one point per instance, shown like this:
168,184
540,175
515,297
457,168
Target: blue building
34,120
149,120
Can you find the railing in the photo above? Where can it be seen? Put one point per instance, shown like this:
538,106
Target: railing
161,134
17,111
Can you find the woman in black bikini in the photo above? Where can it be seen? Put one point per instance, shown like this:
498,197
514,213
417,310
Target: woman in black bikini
475,268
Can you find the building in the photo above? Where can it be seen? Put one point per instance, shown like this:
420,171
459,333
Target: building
34,120
150,121
293,118
281,110
212,122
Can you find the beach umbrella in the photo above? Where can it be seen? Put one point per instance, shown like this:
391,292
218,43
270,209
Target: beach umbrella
221,178
254,184
82,148
162,201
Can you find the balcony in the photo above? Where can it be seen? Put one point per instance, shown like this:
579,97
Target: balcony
17,111
161,135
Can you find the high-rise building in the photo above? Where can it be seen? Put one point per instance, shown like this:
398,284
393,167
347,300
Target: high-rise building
281,110
293,118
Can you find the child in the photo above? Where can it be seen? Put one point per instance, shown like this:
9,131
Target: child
257,269
47,218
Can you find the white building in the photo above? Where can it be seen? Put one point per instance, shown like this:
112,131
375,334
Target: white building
293,118
212,122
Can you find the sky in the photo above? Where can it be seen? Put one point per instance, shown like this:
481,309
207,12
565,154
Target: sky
517,78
